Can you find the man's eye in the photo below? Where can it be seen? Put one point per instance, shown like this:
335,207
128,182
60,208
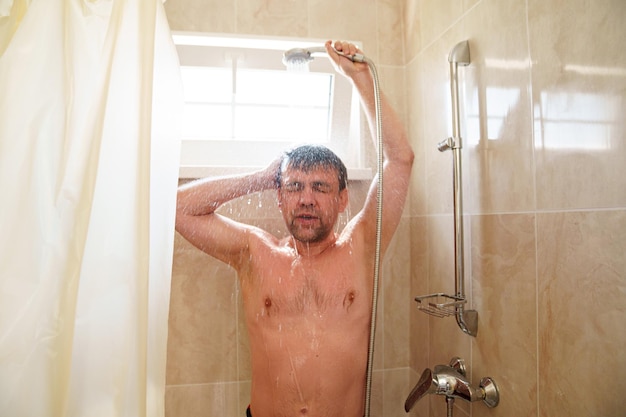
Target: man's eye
293,186
322,188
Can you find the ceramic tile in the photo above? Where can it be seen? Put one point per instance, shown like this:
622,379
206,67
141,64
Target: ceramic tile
396,389
495,110
390,24
436,17
201,15
579,96
582,286
245,388
202,337
504,294
468,4
418,330
379,339
412,28
377,393
393,86
396,298
244,364
353,20
270,17
415,127
205,400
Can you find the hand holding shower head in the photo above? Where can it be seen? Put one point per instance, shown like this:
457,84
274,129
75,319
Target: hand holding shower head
297,59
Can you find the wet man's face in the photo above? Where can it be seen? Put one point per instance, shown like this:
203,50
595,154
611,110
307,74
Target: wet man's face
311,203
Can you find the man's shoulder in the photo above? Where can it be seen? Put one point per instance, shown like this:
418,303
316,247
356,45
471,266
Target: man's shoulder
262,239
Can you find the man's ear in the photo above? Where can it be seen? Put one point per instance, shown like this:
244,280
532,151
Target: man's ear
343,200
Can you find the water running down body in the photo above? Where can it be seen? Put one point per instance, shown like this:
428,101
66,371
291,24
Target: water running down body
307,297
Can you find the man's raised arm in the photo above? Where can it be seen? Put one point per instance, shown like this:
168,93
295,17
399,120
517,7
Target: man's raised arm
398,155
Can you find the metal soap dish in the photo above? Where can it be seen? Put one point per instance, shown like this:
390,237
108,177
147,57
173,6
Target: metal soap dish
439,304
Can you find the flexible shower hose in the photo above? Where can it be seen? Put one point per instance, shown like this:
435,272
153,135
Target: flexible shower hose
379,213
379,224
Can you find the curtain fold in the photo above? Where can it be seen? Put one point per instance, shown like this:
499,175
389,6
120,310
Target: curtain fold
90,103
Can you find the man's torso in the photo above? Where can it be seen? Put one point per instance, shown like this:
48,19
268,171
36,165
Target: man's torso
308,322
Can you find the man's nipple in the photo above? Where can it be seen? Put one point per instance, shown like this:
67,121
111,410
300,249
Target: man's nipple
348,299
268,306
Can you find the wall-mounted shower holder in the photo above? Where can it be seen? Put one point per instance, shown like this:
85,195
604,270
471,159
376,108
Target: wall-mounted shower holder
439,304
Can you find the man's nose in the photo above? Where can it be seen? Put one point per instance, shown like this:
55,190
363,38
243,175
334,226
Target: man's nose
307,197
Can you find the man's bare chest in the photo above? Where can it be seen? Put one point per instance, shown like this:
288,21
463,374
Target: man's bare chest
304,287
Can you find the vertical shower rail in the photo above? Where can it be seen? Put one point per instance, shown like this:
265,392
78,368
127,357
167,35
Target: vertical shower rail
440,304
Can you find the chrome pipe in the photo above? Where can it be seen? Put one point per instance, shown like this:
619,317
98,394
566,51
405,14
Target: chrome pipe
466,319
449,406
456,118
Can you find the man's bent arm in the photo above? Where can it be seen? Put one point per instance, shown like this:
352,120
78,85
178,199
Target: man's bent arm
217,235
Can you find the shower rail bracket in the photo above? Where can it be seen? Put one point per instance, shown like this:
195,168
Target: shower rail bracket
448,143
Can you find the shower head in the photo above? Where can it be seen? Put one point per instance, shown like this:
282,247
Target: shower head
297,59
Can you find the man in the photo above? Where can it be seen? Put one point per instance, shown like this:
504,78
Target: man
307,297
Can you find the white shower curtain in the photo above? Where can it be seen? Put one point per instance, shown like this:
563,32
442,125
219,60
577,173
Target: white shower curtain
89,109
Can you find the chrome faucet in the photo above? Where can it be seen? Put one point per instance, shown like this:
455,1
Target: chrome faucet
450,380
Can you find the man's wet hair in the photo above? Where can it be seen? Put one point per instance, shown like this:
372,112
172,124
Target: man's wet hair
308,157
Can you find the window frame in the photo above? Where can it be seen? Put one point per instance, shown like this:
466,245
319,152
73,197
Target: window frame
201,157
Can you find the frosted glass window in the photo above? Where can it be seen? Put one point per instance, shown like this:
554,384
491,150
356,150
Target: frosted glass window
256,105
242,107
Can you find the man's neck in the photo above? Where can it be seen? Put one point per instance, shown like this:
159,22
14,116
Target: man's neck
312,249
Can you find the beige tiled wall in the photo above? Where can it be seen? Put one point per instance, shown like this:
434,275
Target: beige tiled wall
544,192
544,176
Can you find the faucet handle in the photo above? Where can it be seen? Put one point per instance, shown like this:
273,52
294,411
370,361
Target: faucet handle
426,385
458,364
490,389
